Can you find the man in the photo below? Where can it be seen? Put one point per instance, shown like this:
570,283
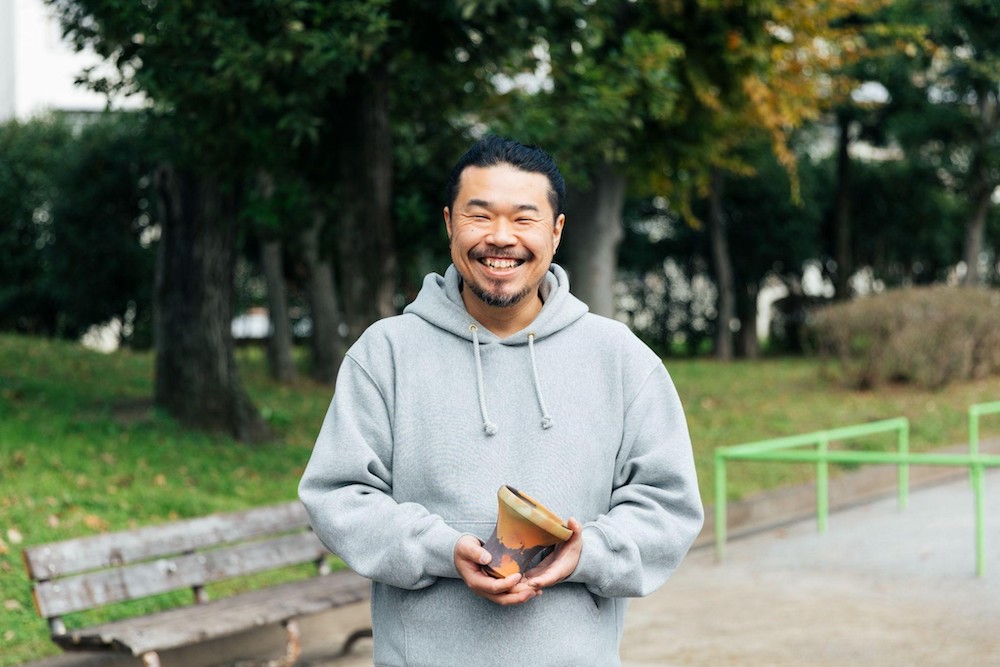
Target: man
495,375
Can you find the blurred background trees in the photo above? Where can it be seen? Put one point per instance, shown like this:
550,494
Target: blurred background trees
731,165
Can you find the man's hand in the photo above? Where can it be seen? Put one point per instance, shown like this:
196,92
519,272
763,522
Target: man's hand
560,563
469,555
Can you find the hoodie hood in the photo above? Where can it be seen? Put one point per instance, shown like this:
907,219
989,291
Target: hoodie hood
440,303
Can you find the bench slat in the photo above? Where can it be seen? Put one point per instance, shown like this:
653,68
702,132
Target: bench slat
95,589
220,618
60,559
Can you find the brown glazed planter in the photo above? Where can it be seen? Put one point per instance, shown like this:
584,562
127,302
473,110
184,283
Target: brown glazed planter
524,527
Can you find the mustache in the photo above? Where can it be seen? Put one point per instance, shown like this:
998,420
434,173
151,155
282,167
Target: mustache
496,251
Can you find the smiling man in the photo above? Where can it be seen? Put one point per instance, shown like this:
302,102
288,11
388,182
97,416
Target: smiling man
504,227
496,375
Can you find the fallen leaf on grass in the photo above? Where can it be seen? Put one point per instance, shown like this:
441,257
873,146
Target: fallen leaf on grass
4,549
14,535
52,521
95,522
160,480
12,605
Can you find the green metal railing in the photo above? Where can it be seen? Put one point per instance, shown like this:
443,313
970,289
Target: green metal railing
789,449
975,412
976,471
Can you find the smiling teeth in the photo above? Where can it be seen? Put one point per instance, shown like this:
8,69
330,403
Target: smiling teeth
500,263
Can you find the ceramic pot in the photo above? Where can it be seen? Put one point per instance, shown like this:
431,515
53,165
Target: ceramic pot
524,527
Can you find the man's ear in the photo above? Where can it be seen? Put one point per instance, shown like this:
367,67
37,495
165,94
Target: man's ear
557,231
447,222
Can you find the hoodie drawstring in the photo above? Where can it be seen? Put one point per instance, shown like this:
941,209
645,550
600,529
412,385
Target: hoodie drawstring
546,419
489,427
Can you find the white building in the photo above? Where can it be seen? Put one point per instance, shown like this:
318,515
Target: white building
38,67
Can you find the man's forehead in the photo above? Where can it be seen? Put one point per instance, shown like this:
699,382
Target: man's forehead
495,182
485,203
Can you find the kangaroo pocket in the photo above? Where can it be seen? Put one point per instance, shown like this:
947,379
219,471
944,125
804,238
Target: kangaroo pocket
446,624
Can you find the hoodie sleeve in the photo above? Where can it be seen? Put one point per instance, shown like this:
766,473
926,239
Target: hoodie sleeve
656,511
347,491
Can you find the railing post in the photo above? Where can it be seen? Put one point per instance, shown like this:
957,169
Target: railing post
977,488
976,474
822,482
973,429
720,505
904,468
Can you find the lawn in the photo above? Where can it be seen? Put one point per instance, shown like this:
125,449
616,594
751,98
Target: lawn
82,451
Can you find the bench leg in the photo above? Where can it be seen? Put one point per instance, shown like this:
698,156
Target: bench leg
151,659
293,648
353,639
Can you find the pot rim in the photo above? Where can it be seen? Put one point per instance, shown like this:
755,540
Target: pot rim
534,511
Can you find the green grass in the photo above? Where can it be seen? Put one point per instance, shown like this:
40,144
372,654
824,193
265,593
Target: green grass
82,451
728,404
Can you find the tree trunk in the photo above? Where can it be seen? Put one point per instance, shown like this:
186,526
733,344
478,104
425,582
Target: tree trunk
842,210
196,376
981,188
327,343
281,361
591,238
279,342
366,238
723,265
748,344
974,233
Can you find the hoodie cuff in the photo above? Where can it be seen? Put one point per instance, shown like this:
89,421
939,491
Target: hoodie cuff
591,570
439,547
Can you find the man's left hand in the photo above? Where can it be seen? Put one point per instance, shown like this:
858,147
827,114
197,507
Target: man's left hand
560,563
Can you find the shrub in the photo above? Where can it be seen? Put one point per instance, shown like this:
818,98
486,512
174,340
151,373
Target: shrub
930,336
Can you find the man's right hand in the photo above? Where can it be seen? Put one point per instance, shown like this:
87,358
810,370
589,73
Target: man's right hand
469,556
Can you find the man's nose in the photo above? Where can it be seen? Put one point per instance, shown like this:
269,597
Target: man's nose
502,232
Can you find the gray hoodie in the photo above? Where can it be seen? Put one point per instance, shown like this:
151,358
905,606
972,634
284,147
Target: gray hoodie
432,413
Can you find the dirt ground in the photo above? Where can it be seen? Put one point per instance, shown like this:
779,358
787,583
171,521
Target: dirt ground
744,613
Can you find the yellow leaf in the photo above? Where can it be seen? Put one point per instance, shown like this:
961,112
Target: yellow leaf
14,535
52,521
95,522
11,605
160,480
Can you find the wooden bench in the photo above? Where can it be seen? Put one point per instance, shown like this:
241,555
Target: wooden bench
92,572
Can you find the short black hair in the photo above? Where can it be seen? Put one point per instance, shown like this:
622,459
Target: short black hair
492,151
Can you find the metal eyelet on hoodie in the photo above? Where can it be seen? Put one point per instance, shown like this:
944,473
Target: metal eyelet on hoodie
488,426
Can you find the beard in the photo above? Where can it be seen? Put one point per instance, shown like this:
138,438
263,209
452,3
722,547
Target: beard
498,299
493,295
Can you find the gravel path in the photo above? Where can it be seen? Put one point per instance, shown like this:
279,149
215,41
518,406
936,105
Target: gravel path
882,587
